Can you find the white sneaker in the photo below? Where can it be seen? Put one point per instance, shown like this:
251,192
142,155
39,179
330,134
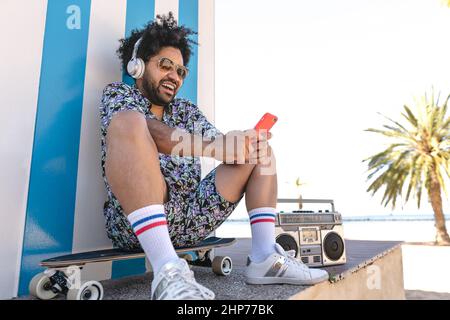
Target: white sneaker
282,267
175,281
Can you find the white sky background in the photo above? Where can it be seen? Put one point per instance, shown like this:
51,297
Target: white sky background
325,68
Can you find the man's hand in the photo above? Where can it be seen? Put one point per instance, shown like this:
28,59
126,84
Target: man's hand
240,147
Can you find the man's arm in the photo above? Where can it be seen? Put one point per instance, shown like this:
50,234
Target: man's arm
234,147
179,142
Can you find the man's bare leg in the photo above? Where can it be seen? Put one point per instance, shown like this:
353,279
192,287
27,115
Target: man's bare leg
258,183
133,172
132,163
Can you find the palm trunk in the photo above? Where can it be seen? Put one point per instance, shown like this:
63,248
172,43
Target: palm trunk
442,237
300,202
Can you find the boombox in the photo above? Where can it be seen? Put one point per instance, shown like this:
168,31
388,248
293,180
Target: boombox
317,237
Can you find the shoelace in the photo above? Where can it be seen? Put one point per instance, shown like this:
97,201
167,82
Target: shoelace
183,286
188,289
290,255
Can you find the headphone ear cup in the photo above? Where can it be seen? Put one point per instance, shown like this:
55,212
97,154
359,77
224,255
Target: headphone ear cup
136,68
140,68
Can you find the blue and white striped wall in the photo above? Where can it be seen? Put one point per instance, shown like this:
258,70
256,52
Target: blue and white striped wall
56,58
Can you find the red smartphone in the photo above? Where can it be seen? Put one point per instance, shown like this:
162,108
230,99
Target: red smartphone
267,121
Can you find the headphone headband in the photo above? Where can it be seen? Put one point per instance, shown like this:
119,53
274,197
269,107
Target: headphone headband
136,47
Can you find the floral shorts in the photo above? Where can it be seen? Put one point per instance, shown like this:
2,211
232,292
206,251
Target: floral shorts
190,218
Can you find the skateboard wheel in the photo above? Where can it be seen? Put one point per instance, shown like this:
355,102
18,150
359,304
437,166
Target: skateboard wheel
89,290
40,287
222,265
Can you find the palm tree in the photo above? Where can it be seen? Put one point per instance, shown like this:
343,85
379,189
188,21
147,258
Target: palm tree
298,184
418,155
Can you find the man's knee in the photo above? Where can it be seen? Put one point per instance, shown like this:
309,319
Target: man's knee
129,126
269,164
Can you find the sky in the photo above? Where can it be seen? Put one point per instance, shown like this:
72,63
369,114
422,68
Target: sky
327,69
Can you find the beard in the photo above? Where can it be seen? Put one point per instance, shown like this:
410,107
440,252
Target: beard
151,91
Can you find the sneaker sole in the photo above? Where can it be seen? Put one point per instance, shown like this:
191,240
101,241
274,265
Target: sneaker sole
278,280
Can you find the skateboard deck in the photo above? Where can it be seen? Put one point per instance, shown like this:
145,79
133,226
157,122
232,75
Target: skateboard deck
57,278
83,258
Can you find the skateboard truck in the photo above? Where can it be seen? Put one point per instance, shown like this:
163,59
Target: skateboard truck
52,282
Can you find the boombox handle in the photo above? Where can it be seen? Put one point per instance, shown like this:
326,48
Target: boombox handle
308,201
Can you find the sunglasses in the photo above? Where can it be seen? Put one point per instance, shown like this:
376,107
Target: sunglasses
167,65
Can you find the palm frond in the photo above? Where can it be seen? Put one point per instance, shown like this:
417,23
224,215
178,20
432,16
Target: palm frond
410,116
415,174
396,165
383,132
380,158
394,134
418,188
445,163
439,163
418,154
395,122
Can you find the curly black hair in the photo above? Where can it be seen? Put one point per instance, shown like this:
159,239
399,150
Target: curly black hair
161,32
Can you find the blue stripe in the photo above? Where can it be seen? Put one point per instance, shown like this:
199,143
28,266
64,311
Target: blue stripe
262,215
134,225
188,16
139,13
54,164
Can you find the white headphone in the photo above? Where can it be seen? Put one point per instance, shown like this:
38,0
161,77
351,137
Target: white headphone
136,66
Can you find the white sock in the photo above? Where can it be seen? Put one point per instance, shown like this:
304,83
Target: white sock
262,222
150,226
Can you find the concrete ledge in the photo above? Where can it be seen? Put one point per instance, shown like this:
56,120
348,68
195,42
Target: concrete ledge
381,279
373,271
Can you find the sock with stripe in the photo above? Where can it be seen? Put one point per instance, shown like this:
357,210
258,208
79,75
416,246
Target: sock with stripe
150,226
262,222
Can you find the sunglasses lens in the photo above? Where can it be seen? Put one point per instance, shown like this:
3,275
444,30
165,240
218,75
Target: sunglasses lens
165,64
182,73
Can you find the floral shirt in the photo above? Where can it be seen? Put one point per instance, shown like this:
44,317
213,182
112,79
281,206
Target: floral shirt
182,174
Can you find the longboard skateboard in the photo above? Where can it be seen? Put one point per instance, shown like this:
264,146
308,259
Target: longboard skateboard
62,274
